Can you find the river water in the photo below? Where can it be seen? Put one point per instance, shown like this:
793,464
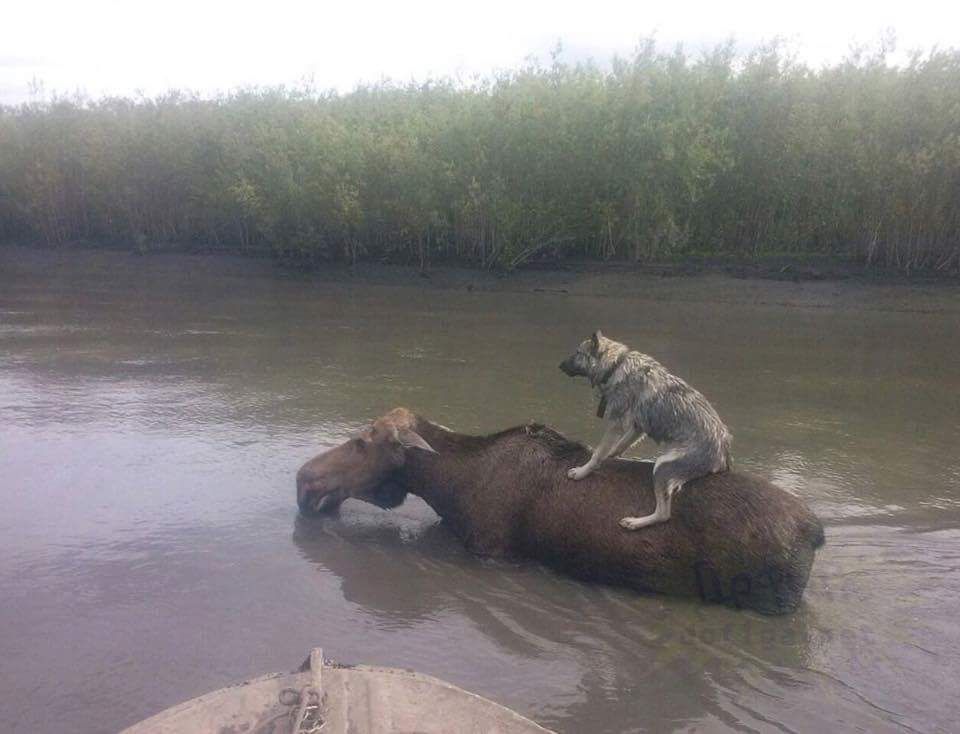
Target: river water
153,412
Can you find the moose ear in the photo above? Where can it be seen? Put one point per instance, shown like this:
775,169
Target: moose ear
412,440
595,340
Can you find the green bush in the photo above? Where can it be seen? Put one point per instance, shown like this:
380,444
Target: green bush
655,156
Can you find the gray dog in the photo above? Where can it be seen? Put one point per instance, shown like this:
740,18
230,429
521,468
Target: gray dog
639,397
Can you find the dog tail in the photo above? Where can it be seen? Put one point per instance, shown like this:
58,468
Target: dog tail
727,456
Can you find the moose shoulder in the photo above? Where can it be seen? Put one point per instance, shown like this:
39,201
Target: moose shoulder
734,538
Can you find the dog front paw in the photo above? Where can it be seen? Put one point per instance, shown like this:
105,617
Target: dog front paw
635,523
578,472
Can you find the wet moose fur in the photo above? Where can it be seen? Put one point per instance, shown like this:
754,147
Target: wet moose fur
734,538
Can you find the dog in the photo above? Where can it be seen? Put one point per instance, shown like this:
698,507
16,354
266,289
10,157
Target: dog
638,398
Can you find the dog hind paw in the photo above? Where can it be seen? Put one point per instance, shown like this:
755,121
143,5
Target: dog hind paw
578,472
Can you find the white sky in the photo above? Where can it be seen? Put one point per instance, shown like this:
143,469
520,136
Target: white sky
122,46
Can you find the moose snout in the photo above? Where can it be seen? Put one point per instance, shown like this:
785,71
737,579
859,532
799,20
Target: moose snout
313,494
305,478
305,482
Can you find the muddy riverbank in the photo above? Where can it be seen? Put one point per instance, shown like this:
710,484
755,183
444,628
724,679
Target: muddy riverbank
774,281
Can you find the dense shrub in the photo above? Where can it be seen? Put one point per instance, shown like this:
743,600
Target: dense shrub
653,156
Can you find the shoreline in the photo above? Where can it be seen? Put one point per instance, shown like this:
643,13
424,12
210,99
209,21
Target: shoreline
772,281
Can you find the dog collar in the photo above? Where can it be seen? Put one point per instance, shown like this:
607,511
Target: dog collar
605,377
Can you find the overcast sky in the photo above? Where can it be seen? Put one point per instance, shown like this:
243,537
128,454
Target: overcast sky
122,46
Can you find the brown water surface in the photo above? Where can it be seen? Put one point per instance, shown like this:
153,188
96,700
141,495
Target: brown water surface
153,412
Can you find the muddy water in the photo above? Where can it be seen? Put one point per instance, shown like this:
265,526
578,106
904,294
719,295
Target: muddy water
153,413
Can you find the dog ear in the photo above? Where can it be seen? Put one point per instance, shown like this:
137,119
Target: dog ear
595,341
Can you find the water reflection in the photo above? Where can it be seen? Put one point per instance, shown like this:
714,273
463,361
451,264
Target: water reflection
401,581
700,663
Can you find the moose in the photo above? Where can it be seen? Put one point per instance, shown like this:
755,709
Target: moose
741,541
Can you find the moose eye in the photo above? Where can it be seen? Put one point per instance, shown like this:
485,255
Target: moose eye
359,444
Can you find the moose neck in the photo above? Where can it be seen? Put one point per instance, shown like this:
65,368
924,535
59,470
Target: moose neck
440,478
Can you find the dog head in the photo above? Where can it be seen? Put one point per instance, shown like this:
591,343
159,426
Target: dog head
586,361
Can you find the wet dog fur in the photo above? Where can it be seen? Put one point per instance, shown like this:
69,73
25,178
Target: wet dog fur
639,397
